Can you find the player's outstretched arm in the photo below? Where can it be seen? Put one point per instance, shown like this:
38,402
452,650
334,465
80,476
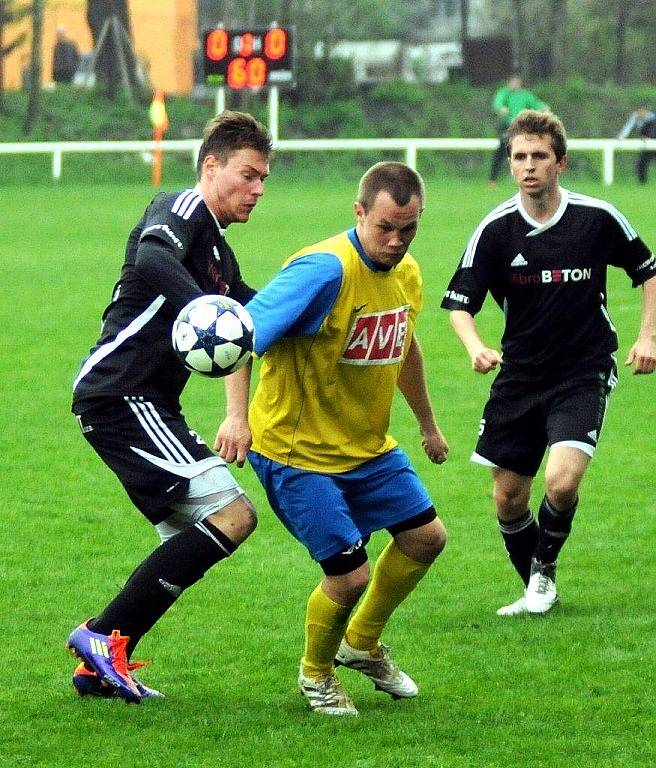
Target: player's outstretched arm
233,440
483,359
642,354
412,383
157,264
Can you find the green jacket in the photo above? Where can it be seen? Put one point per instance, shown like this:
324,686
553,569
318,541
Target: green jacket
515,102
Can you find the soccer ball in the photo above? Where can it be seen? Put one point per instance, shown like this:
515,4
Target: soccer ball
213,335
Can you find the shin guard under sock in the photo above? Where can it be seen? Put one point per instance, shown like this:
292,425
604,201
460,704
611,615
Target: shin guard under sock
161,578
394,577
555,527
325,622
520,538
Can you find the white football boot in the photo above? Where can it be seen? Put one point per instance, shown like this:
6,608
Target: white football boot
541,594
381,670
518,608
326,695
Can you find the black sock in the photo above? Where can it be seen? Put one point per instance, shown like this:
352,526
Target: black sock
160,579
520,537
554,527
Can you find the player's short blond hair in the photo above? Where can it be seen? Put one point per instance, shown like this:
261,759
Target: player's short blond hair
398,179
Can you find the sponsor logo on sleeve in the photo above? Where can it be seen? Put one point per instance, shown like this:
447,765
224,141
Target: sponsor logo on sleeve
650,264
454,296
166,230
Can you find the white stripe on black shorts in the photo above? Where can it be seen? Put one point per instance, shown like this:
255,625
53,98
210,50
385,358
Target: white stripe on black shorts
151,449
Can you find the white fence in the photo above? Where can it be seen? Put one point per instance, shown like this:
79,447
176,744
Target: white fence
410,148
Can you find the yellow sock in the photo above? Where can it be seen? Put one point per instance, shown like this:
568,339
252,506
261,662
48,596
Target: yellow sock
395,576
325,622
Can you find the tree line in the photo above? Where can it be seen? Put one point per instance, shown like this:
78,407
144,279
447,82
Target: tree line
601,41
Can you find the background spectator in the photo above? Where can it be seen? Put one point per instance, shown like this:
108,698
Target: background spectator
65,58
508,102
643,122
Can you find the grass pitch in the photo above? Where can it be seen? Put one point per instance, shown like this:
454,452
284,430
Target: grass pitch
574,688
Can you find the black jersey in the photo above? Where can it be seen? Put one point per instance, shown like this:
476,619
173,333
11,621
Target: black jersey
550,281
176,252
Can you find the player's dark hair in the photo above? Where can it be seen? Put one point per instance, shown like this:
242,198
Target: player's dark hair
229,132
401,181
539,123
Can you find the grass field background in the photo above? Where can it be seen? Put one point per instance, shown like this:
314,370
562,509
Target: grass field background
574,688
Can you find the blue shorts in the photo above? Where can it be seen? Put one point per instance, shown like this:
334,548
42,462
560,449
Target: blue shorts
329,513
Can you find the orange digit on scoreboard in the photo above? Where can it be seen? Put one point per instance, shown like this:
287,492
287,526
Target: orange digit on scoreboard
256,72
217,45
275,43
236,76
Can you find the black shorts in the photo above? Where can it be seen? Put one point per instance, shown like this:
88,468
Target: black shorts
151,450
521,419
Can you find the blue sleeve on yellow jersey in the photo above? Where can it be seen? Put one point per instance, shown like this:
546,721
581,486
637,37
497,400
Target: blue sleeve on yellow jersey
297,300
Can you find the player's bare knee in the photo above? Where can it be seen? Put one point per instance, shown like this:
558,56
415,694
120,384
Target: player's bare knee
562,492
346,574
422,544
355,583
421,537
237,519
212,495
430,541
510,503
346,589
438,540
562,487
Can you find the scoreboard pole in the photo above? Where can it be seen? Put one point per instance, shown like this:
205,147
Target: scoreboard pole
220,100
273,112
273,102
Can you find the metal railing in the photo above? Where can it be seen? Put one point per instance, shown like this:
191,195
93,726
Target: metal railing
410,148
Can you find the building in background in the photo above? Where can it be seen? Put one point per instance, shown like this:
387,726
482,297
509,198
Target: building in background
165,38
377,61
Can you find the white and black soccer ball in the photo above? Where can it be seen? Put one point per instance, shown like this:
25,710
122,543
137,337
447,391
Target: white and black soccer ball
213,335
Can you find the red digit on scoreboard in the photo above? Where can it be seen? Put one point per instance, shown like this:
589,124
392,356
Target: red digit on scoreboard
275,44
246,44
217,45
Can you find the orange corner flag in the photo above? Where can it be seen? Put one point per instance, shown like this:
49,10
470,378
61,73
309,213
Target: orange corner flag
157,112
160,122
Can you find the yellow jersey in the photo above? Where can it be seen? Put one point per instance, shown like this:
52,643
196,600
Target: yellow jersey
324,397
